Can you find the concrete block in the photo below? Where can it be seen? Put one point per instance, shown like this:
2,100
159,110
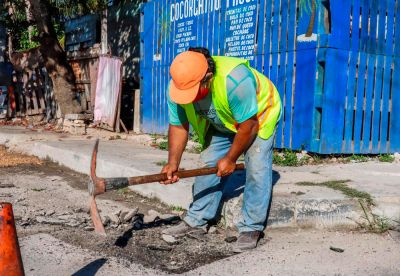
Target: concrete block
282,211
324,213
231,211
78,117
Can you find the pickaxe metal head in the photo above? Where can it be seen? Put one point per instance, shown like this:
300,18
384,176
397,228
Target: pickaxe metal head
96,186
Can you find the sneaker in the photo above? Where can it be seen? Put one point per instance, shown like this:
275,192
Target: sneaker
183,229
247,241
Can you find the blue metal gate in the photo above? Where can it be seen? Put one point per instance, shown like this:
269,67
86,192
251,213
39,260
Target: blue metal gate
334,63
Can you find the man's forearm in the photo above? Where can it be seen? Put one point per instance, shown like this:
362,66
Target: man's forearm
247,132
177,140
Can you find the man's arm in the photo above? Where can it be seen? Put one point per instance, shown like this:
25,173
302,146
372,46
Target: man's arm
177,140
246,133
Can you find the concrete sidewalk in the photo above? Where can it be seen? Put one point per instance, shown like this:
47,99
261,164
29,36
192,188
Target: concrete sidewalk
293,205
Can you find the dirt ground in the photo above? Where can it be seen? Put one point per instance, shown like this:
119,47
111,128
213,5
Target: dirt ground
51,199
51,210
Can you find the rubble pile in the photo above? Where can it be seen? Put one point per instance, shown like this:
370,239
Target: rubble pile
76,123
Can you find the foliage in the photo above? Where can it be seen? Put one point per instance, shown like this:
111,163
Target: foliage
18,22
287,158
386,158
38,189
25,41
163,145
164,24
69,8
357,158
305,6
374,223
177,208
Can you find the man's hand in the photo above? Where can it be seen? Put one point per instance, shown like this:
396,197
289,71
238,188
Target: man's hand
177,139
247,132
170,169
225,167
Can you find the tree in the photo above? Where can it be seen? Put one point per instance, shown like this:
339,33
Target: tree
44,15
309,6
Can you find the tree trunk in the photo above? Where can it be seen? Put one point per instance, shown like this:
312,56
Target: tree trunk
55,59
312,19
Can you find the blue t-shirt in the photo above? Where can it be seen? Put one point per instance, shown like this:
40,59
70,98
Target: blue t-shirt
242,99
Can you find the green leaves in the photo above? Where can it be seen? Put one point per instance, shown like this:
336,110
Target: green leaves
15,15
305,6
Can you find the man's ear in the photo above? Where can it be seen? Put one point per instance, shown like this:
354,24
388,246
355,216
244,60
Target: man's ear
209,76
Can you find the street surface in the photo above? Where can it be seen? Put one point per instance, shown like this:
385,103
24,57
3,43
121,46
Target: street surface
51,203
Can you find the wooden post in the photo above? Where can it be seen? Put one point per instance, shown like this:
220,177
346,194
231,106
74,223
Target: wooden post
118,118
136,112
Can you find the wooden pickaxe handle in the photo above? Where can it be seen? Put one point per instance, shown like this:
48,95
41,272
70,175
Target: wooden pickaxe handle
99,185
122,182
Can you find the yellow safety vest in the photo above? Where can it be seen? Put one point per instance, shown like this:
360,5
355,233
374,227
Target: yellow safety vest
268,99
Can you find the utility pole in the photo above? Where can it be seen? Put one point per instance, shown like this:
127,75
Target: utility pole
104,37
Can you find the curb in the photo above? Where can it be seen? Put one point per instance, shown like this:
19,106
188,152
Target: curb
322,211
302,213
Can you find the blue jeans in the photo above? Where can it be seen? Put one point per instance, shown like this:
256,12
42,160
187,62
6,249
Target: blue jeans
208,190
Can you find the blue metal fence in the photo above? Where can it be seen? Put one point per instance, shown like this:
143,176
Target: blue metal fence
334,63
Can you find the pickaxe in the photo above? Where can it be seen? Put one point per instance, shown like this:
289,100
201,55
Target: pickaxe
98,186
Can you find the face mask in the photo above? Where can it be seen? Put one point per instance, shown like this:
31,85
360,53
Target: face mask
203,92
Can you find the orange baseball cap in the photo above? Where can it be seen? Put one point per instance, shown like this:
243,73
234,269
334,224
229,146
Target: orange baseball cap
187,70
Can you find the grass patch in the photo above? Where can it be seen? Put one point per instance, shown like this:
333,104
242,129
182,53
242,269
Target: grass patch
288,158
357,158
159,141
39,189
317,159
386,158
340,185
177,208
374,223
123,191
161,163
163,145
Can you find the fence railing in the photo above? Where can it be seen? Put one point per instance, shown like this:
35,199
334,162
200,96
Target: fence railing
334,63
34,94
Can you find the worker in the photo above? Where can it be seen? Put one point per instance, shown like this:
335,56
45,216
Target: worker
234,110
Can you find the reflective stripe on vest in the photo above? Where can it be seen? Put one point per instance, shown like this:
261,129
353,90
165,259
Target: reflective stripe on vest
268,100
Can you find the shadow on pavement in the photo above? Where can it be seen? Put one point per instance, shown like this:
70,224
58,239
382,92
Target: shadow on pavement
91,268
